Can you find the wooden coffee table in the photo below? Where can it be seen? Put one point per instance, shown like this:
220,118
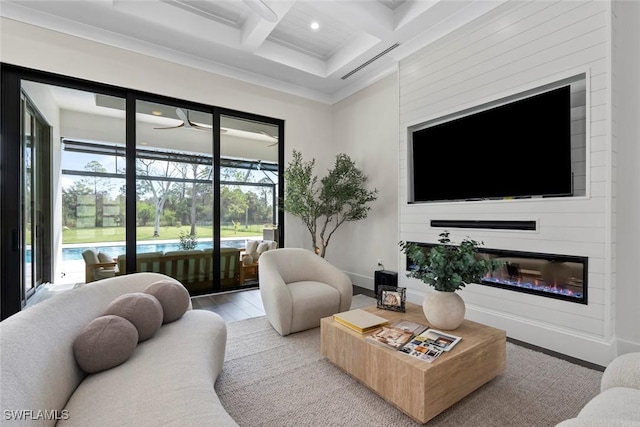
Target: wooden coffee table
419,389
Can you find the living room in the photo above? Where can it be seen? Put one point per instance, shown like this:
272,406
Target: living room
547,42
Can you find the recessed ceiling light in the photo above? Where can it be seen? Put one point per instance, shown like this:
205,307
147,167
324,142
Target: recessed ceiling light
315,25
156,113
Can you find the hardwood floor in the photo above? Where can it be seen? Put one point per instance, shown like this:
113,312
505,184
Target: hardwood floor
244,304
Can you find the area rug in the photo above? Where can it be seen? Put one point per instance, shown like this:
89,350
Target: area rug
269,380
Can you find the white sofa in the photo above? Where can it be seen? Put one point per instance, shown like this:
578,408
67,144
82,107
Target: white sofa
169,379
618,404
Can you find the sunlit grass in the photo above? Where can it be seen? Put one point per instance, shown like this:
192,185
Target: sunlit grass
117,234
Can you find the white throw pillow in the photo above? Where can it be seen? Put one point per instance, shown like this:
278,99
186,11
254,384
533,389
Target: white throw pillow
251,248
263,247
104,257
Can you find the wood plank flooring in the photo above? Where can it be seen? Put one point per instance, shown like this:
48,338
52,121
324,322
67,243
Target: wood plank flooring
244,304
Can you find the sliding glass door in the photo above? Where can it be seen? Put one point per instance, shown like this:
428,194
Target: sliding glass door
174,194
249,176
35,190
100,181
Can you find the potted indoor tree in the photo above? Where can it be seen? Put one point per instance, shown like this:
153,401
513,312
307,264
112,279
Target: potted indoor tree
446,267
342,196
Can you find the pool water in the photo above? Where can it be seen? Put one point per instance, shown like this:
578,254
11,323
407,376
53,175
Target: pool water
75,253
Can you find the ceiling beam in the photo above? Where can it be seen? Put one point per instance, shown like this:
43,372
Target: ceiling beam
411,10
256,30
283,55
179,20
351,54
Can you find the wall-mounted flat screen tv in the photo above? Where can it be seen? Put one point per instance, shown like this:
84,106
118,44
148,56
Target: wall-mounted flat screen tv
514,150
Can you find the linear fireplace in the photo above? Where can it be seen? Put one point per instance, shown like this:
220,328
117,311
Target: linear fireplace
555,276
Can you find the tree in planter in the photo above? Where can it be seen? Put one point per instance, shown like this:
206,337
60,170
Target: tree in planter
188,241
340,197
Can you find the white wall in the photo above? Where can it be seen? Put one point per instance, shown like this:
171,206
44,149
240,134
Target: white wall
517,47
308,124
626,128
365,126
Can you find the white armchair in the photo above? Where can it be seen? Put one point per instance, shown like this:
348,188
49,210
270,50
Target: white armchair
299,288
618,404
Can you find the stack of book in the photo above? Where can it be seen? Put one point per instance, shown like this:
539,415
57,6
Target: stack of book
415,339
359,320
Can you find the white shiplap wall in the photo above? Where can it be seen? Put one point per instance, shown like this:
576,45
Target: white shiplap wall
515,48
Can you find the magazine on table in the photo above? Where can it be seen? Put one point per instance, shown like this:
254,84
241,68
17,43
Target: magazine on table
440,340
419,349
429,345
396,334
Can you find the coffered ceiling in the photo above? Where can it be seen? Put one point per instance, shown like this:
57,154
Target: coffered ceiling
267,42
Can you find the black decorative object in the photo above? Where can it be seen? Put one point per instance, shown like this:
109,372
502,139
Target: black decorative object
391,298
386,278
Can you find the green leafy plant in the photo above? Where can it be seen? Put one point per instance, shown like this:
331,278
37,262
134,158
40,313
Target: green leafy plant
341,196
448,267
187,241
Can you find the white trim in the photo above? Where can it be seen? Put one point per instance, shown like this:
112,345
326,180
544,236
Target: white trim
361,280
584,347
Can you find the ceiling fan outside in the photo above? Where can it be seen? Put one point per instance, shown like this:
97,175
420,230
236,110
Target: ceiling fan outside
270,136
186,123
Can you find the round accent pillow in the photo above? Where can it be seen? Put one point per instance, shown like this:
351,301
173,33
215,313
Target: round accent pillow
173,297
141,309
104,343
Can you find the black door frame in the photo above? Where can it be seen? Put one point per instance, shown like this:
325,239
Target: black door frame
42,235
11,240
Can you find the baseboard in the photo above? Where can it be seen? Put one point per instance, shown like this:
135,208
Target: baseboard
361,280
557,355
625,346
586,348
583,347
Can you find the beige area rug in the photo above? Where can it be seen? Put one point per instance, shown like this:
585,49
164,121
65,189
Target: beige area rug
269,380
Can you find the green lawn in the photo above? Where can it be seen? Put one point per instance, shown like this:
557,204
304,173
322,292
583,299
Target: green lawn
117,234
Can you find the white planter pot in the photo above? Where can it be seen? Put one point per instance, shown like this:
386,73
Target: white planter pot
443,310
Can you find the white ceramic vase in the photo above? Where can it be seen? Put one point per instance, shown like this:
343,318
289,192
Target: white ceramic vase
443,310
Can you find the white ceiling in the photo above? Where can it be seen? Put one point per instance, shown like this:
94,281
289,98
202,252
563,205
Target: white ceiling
229,38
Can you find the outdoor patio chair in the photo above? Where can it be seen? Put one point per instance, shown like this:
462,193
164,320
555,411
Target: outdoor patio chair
98,266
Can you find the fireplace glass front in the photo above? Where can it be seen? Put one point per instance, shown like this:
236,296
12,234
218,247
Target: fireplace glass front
549,275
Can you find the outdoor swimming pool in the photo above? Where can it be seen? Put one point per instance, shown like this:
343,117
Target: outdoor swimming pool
75,253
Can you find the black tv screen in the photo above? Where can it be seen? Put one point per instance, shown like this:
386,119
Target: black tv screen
519,149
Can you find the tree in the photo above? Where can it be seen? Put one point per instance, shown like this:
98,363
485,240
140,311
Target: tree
341,197
199,174
234,202
98,184
158,188
144,213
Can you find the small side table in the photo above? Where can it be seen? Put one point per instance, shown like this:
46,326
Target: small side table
248,272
